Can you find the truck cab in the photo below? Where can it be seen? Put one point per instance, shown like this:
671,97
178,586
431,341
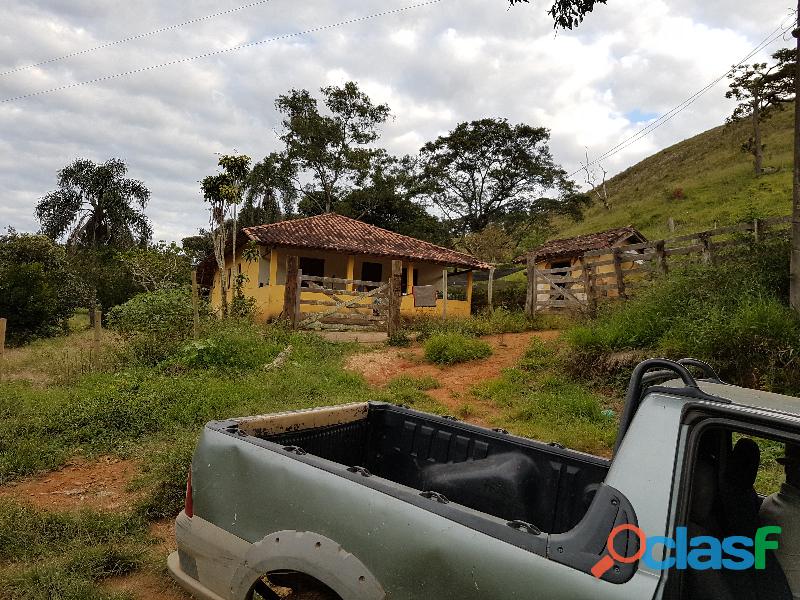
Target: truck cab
377,501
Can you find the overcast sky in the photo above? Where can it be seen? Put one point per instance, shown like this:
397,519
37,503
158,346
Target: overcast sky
436,65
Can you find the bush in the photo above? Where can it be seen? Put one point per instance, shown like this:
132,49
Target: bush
450,348
37,292
487,323
154,323
233,345
733,315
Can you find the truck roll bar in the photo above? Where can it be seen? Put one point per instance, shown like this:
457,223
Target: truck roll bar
643,376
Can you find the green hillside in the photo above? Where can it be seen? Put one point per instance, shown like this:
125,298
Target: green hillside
716,178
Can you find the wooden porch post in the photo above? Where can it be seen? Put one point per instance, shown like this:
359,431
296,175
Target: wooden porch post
489,289
410,279
351,269
291,292
444,293
469,290
393,322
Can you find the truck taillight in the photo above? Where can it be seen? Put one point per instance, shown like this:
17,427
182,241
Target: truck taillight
188,507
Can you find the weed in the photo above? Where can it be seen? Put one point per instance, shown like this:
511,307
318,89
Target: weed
450,348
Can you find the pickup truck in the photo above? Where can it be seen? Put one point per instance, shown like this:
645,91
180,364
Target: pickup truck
372,500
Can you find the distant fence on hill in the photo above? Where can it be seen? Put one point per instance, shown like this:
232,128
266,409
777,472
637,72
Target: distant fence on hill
616,273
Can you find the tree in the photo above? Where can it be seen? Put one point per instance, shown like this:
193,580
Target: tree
567,14
95,205
161,266
759,90
489,171
197,247
270,195
224,192
38,293
328,155
493,244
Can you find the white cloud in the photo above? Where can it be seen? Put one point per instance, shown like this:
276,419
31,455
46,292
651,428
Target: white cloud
434,66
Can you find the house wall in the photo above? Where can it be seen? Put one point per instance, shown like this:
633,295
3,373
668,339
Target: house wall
268,295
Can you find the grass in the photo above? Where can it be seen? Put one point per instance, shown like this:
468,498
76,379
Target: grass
451,348
716,179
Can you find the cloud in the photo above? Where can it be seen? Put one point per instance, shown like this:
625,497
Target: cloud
435,66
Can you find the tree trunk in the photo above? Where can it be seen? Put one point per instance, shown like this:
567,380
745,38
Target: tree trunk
794,270
758,151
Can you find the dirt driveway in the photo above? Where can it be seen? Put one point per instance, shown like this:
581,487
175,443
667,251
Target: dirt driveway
455,381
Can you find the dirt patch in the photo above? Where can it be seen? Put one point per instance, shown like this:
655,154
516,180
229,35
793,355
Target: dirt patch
380,367
100,485
147,586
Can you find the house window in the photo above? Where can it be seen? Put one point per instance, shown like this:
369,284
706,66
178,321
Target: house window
404,279
312,266
263,271
371,271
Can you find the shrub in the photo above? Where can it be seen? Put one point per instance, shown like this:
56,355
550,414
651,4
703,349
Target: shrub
232,345
154,323
37,291
486,323
450,348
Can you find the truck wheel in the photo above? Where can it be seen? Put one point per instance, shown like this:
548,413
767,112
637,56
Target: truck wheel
291,585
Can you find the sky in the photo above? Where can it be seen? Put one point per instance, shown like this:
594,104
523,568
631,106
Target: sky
435,65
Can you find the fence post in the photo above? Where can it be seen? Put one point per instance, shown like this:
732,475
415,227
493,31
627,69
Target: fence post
757,230
707,256
195,307
489,290
671,224
661,257
444,293
588,286
98,318
3,322
618,272
530,296
393,323
291,292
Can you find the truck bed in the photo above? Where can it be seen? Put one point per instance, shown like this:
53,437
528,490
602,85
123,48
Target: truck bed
489,471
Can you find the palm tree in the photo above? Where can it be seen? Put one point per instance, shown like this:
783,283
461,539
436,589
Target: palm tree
96,206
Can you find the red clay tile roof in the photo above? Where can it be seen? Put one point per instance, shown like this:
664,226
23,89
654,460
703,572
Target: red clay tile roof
583,243
342,234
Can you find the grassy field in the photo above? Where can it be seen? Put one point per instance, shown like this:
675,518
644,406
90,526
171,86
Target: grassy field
56,405
699,181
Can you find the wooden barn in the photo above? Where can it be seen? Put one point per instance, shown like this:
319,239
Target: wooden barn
558,281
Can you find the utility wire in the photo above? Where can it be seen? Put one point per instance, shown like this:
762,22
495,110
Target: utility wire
138,36
668,116
221,51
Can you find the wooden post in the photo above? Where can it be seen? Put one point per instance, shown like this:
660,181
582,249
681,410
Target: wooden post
530,296
444,293
661,257
98,319
291,291
757,230
619,274
469,290
410,279
707,256
195,306
489,286
671,224
351,269
2,336
395,297
588,287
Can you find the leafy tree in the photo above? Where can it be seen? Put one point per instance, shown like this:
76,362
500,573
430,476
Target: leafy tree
493,244
489,171
327,155
224,192
159,267
95,205
760,90
270,194
197,247
38,293
567,14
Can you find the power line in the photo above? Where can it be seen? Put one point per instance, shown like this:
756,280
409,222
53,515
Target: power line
668,116
138,36
221,51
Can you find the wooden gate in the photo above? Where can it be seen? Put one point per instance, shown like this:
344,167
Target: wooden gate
314,302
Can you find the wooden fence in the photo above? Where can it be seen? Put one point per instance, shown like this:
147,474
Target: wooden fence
617,272
339,303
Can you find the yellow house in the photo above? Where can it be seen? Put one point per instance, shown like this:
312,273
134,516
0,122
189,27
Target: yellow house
565,256
334,246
